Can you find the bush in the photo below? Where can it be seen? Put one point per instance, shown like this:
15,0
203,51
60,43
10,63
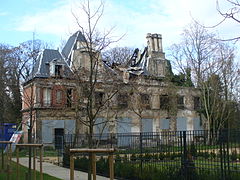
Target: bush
147,157
133,157
49,148
234,156
102,166
212,155
193,150
206,155
81,163
118,158
161,156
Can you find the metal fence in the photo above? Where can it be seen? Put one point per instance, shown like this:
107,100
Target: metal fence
187,154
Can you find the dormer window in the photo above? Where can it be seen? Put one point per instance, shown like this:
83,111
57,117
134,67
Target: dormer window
56,69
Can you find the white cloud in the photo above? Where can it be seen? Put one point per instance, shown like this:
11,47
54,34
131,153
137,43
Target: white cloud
2,13
165,17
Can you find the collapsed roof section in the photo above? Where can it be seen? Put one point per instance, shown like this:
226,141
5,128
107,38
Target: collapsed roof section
151,62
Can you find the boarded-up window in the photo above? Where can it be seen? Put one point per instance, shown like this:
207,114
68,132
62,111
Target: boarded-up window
196,101
101,126
147,125
145,101
47,96
164,102
197,123
122,100
124,125
164,123
59,97
181,124
99,98
180,102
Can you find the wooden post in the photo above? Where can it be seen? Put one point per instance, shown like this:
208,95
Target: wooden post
93,163
34,164
8,167
41,159
10,153
71,167
40,146
94,166
111,167
2,145
17,152
10,159
7,154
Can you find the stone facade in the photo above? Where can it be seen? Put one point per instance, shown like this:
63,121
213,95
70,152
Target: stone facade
144,99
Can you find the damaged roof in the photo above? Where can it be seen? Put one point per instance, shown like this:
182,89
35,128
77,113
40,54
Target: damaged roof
139,65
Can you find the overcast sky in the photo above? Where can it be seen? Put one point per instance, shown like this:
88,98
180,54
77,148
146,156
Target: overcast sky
52,20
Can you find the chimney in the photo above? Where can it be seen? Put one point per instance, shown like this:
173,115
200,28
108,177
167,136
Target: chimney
150,42
154,42
159,40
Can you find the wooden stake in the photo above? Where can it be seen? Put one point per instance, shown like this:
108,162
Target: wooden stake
71,167
41,159
111,167
94,165
17,151
34,164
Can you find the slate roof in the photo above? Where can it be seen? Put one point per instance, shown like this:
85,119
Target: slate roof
71,43
41,67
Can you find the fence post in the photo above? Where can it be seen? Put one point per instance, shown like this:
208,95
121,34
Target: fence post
222,157
141,153
228,159
184,156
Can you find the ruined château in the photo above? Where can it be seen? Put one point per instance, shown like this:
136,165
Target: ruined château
145,99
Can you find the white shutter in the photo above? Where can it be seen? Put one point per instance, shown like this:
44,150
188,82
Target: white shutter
47,97
52,69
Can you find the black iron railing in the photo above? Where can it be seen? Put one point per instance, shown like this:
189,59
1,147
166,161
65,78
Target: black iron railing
186,154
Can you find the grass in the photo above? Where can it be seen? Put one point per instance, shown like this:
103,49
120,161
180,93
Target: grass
46,153
22,173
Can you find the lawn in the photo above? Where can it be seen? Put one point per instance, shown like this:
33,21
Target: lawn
47,152
22,173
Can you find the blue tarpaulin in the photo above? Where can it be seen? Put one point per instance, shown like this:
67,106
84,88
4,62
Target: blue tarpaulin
7,130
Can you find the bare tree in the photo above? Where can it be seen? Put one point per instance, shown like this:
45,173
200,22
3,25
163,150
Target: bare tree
229,10
230,14
118,55
92,76
210,62
26,54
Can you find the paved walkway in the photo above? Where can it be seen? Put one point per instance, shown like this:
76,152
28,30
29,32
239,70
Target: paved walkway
57,171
